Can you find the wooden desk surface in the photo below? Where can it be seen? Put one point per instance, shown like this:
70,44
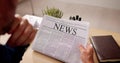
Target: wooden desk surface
31,56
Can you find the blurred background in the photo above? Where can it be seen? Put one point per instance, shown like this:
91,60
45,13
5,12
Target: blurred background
102,14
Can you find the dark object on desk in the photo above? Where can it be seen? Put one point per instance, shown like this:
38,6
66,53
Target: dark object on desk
106,48
77,17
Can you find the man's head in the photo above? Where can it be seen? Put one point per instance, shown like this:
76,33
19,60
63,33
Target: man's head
7,12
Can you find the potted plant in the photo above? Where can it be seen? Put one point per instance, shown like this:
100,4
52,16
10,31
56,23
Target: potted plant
55,12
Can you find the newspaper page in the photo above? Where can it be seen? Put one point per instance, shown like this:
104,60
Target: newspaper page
35,21
60,39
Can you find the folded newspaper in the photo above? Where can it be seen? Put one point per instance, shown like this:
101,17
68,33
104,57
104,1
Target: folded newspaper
60,39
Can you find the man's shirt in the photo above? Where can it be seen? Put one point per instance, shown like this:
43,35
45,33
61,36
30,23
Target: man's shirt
11,55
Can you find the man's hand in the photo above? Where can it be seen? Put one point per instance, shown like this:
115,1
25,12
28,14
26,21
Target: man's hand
22,33
86,54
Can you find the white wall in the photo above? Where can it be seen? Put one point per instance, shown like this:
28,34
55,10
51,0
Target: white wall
99,17
114,4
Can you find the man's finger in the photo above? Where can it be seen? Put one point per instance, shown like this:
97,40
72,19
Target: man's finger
90,49
31,37
82,48
15,24
27,32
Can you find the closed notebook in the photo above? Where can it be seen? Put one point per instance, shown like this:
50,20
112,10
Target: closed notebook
106,48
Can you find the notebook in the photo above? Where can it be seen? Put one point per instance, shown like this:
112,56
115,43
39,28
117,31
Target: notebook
106,48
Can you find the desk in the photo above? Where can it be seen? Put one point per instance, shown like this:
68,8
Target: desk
31,56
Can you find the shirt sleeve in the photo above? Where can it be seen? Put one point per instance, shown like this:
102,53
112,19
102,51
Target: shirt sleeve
11,55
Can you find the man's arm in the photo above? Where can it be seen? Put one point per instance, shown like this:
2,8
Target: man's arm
22,34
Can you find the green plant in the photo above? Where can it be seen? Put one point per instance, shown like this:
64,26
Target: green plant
53,12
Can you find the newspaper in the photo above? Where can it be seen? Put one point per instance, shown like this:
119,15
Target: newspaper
60,39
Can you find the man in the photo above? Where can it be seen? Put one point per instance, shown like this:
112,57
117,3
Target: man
22,33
